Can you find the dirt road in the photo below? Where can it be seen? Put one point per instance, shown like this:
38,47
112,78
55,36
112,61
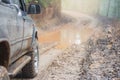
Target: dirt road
93,54
85,50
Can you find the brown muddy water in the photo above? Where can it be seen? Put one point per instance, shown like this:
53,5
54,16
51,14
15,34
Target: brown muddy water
68,35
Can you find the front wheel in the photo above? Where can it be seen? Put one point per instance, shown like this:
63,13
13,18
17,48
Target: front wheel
31,69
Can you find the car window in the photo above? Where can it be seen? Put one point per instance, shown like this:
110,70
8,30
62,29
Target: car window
17,2
6,1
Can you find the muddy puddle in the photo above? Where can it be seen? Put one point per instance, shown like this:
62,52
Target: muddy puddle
67,36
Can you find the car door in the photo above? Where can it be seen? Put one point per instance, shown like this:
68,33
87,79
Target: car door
28,31
17,30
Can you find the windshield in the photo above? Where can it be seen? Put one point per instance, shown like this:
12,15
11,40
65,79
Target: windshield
17,2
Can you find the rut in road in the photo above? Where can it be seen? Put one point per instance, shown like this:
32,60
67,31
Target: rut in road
69,66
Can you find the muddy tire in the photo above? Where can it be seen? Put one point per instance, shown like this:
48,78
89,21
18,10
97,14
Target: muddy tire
31,69
3,74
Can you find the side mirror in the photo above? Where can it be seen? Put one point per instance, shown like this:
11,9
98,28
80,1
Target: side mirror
34,9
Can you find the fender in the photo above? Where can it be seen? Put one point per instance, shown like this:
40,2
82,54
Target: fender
4,36
34,35
6,43
4,32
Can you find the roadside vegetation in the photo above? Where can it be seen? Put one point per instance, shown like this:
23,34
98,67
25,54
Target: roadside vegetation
50,11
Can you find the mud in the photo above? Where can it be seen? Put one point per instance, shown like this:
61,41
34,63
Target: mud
95,55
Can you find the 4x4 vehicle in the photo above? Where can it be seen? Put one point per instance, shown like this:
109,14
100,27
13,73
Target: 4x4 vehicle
18,39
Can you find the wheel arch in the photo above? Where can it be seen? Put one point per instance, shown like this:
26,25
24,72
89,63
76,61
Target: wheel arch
35,34
4,53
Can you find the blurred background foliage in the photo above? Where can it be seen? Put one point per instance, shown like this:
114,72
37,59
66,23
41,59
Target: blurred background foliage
50,9
107,8
43,3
